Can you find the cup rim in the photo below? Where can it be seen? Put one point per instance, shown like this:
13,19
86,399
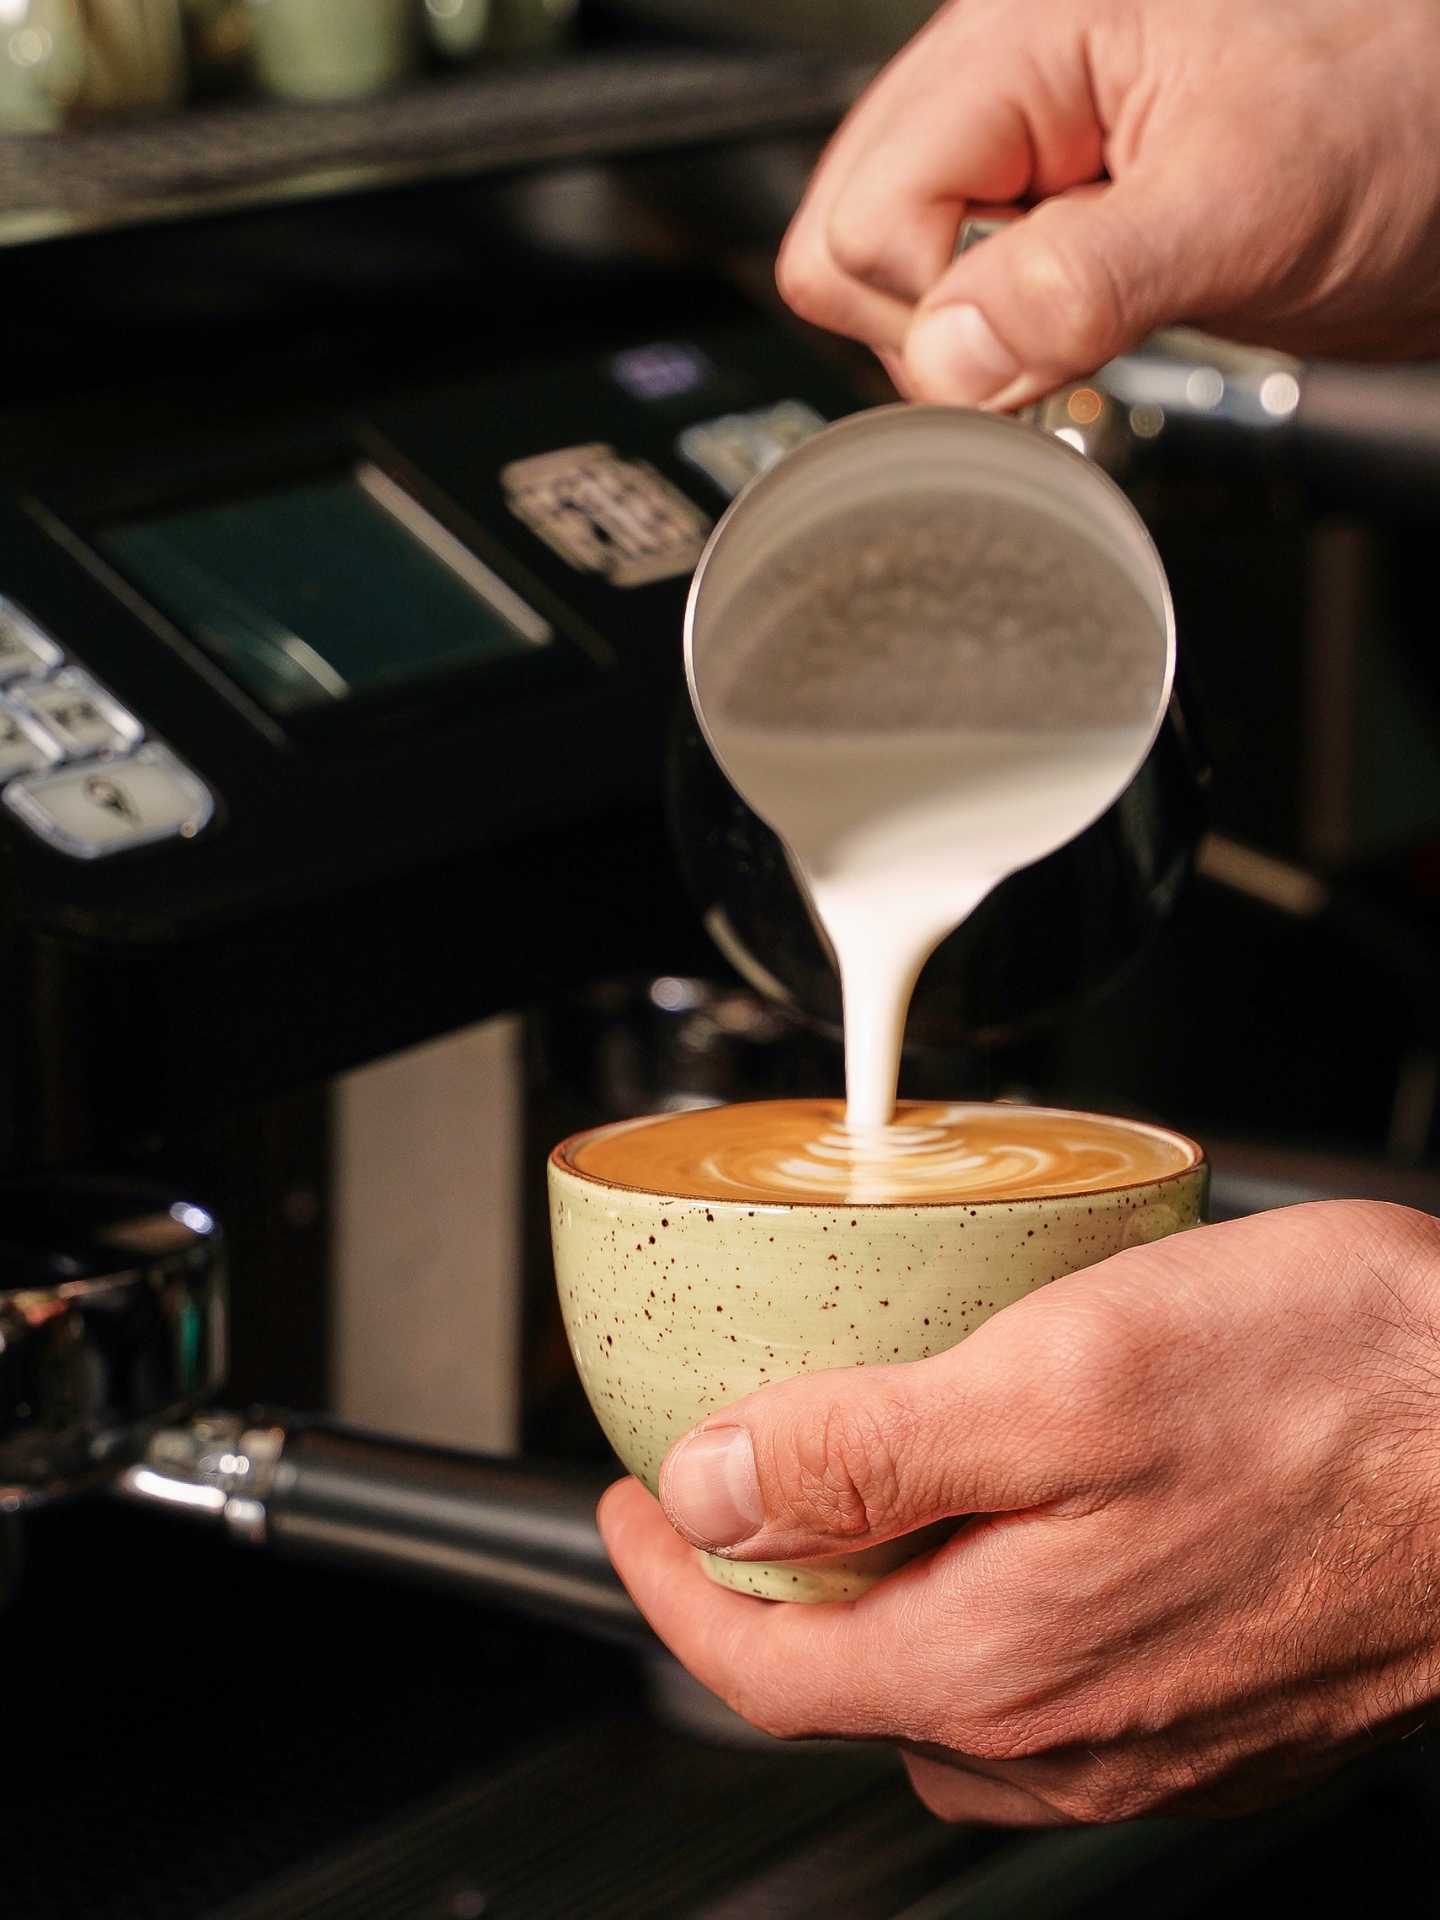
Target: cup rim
559,1159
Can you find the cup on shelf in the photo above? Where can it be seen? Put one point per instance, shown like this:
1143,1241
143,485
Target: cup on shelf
458,29
333,50
67,61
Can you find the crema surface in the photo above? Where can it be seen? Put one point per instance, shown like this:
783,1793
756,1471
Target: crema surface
788,1151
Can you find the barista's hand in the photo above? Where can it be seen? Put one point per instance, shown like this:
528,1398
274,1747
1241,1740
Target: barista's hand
1209,1563
1268,172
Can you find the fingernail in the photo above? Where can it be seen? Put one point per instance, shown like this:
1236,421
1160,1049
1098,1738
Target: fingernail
710,1489
953,354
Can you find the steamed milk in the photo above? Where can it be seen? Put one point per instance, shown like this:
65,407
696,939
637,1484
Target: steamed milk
920,702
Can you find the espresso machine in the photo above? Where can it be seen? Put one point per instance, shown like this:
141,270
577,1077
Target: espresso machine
355,844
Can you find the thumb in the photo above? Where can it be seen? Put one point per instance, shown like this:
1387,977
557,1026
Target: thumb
1058,292
835,1461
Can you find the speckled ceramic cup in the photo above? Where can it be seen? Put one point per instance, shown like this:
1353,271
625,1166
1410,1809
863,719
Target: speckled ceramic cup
676,1307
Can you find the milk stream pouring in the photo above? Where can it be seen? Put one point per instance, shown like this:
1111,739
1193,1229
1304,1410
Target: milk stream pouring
928,648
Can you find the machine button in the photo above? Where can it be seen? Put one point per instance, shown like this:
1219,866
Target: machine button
25,747
662,370
112,806
731,451
83,718
25,652
603,514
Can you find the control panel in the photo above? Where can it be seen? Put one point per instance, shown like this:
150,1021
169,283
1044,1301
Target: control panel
76,767
254,655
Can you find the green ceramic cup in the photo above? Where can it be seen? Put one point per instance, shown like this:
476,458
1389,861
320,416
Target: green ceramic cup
676,1307
530,26
320,50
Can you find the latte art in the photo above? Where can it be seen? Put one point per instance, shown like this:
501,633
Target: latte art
799,1151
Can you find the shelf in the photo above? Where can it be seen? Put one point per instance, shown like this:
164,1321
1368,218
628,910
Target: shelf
213,159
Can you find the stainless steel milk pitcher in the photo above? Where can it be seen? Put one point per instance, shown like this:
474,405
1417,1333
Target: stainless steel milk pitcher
1053,934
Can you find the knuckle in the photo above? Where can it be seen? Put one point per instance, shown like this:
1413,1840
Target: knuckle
1102,1344
805,280
864,247
1080,1350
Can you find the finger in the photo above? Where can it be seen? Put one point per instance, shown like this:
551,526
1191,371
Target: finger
814,288
957,139
952,1793
793,1671
836,1461
809,279
969,111
1062,290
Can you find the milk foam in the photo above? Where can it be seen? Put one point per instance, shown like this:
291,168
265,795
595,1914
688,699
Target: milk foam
788,1151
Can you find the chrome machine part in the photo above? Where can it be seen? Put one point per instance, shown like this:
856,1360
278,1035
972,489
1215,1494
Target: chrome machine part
1176,374
218,1467
508,1532
112,1323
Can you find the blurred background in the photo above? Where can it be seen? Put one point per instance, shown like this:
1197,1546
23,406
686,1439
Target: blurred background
373,370
69,63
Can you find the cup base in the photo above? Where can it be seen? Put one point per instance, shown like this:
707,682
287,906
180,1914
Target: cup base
813,1582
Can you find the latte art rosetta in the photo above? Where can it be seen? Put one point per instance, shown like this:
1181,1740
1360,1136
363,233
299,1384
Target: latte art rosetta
788,1151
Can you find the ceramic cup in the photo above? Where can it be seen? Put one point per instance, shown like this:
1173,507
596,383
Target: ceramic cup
333,50
678,1307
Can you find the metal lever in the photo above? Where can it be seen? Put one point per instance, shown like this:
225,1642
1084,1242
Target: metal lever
512,1532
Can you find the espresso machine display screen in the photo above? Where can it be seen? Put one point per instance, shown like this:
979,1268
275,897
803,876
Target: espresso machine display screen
315,592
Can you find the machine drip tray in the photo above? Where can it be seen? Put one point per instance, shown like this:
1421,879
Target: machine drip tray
625,1820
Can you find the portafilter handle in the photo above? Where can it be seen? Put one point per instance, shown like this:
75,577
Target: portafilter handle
515,1533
